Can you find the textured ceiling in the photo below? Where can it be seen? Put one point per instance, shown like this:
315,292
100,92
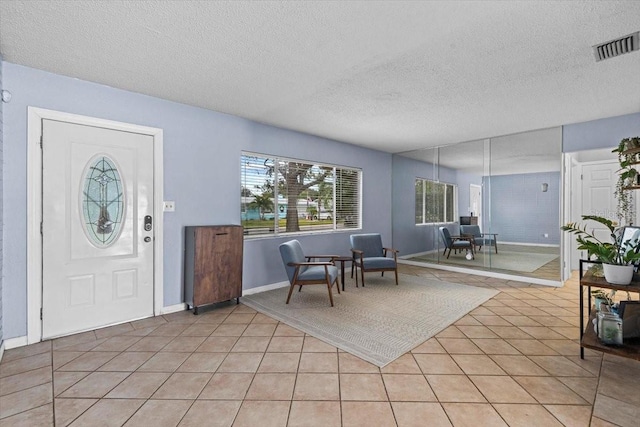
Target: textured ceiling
392,76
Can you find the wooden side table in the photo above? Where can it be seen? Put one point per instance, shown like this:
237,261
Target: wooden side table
342,260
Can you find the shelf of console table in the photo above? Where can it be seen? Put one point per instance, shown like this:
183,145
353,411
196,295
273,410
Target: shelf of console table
588,339
630,349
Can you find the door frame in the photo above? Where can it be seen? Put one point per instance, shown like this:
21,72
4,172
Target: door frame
34,207
572,175
572,172
567,207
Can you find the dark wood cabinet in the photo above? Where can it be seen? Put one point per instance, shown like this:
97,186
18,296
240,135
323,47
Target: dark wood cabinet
468,220
212,264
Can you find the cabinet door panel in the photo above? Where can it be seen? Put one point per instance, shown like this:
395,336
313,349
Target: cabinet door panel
217,264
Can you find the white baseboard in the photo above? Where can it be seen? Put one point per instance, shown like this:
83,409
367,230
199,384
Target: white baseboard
15,342
541,245
173,308
264,288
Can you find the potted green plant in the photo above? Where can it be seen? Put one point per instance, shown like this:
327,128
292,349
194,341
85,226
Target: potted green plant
617,256
628,155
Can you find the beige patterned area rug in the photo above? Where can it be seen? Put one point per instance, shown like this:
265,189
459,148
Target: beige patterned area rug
378,323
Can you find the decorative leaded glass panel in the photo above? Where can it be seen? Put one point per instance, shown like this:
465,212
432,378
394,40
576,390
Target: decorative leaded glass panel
102,201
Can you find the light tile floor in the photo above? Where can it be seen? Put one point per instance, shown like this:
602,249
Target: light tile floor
512,361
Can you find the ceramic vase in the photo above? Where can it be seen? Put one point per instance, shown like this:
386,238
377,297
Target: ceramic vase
618,274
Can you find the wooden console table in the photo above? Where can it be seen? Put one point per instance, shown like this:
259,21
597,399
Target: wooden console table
588,337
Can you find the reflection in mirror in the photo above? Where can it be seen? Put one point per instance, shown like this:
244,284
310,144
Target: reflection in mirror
410,226
468,164
629,239
500,196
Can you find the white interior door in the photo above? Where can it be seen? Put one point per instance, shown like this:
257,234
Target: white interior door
598,188
97,202
475,201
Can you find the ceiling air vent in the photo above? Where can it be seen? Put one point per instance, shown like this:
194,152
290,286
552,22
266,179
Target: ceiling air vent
617,47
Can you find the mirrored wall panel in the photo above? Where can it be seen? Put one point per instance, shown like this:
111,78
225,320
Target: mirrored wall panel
490,205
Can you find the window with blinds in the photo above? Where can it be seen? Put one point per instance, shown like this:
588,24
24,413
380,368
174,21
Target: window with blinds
436,202
281,195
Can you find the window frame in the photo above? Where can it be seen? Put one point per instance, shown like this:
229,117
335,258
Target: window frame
423,182
277,230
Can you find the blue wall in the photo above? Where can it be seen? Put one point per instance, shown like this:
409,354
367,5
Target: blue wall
201,174
520,212
602,133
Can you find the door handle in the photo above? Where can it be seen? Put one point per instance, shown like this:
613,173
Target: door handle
147,239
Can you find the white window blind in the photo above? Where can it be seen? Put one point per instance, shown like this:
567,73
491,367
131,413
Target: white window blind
281,195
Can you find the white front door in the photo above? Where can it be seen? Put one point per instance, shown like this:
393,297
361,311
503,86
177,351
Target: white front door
98,252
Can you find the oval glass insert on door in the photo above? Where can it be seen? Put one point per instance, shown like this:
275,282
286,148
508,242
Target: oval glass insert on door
102,201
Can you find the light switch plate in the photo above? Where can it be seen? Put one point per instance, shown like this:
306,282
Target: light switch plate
169,206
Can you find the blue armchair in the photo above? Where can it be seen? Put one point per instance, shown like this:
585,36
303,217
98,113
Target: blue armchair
301,271
370,255
479,239
455,242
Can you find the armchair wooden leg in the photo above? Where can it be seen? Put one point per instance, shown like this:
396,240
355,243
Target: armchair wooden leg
396,271
330,294
290,292
362,276
356,275
338,285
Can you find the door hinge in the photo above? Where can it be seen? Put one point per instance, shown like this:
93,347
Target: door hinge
40,227
581,176
40,313
41,141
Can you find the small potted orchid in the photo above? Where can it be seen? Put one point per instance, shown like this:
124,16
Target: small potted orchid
617,256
